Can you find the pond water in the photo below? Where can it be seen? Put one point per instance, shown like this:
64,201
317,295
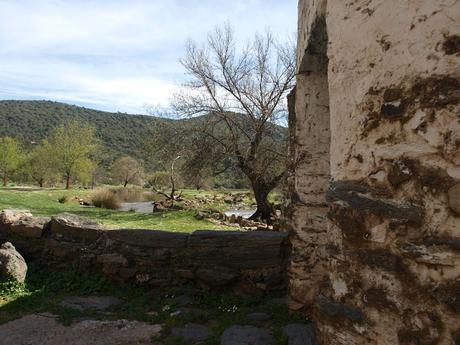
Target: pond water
147,207
141,207
243,213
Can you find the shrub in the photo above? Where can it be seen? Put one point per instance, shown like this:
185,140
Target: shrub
63,199
105,198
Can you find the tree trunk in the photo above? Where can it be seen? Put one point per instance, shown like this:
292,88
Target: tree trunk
40,183
67,181
264,208
125,183
5,180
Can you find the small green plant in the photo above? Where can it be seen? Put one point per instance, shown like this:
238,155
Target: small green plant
11,288
63,199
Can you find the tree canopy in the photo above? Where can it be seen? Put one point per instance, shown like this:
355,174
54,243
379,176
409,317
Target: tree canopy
72,145
245,91
11,157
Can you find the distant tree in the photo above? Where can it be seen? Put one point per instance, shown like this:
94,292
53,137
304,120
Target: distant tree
98,175
127,170
172,195
41,165
158,180
84,171
241,95
72,145
200,161
11,157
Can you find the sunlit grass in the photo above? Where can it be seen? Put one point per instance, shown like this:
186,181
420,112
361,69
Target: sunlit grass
45,203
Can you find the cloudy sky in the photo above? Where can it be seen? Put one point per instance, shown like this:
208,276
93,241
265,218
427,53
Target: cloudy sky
116,55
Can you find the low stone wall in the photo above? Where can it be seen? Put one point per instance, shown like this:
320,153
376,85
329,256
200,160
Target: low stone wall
242,261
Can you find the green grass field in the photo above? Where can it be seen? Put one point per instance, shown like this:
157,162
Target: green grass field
45,203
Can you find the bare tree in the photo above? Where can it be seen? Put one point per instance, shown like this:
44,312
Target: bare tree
241,94
171,196
127,170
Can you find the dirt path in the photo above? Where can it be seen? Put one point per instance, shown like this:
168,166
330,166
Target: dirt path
43,329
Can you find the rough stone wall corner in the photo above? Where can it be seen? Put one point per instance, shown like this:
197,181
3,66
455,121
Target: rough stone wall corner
378,261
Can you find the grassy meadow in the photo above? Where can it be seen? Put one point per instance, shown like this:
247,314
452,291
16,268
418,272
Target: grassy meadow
44,202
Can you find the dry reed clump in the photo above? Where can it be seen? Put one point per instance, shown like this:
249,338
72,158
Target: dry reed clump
129,194
105,198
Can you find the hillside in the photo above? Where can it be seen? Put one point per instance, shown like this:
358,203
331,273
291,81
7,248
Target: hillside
119,133
32,121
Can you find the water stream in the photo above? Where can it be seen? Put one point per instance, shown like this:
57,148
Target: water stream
147,207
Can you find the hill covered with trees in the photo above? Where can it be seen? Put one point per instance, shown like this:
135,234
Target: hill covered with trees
119,133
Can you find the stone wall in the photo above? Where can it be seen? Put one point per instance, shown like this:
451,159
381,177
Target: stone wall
246,262
382,121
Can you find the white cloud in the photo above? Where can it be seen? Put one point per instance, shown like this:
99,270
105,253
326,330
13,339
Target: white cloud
115,54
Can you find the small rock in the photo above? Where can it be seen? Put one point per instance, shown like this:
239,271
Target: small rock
192,332
246,335
98,303
195,312
258,317
12,264
300,334
199,216
454,198
183,300
398,173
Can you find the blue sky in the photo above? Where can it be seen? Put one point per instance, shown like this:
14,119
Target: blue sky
116,55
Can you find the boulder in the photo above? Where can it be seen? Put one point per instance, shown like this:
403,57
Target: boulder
32,227
75,228
246,335
10,216
12,264
300,334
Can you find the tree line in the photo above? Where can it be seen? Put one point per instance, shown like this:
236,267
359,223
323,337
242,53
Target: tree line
70,156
